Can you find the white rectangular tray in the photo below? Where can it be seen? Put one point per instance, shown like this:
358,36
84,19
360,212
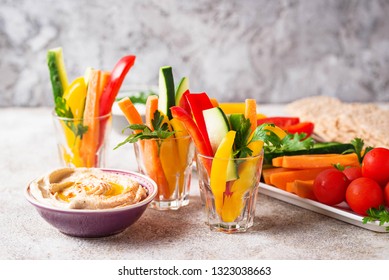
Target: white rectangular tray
340,212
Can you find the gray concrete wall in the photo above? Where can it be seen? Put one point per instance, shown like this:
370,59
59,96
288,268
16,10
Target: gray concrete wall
274,51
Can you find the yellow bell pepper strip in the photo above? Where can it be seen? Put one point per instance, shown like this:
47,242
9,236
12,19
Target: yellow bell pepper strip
168,157
180,131
218,177
90,139
247,170
277,130
233,108
75,95
183,143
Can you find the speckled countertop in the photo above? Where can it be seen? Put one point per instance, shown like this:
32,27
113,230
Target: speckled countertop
281,230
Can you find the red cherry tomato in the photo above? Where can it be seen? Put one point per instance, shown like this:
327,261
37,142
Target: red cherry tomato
375,165
353,173
364,193
330,186
386,194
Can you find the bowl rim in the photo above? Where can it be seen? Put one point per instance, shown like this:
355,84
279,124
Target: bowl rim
146,201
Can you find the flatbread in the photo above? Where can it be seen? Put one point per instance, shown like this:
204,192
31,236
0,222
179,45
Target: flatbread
341,121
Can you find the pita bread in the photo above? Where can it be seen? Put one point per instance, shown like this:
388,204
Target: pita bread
340,121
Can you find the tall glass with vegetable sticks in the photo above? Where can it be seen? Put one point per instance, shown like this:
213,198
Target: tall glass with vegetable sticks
82,142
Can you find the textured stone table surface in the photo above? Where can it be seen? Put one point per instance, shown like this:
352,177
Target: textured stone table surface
281,230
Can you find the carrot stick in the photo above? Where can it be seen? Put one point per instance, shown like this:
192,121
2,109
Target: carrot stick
280,179
251,112
316,161
130,112
153,165
267,172
89,143
214,102
104,79
304,189
151,107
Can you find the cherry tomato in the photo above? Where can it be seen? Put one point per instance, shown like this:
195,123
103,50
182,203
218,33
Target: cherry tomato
353,173
386,194
330,186
364,193
375,165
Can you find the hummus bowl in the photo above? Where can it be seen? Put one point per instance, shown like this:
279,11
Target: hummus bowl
91,223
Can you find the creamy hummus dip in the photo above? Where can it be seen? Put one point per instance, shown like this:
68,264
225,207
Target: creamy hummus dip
87,188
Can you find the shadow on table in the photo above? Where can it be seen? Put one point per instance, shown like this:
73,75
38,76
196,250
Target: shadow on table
160,226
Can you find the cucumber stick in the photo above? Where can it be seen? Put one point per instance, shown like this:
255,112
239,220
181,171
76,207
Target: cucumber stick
217,127
182,87
166,90
58,76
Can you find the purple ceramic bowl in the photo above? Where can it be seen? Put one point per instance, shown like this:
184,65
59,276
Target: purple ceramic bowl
96,223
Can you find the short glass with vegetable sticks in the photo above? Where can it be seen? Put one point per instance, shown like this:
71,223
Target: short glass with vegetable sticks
169,163
230,188
82,142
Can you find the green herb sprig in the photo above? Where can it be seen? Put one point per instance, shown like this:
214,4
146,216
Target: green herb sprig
63,110
381,214
359,144
161,131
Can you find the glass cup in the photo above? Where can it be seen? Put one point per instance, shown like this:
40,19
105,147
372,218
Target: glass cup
169,163
82,142
229,188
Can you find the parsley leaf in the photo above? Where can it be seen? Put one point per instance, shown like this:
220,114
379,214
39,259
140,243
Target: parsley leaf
358,144
242,127
63,110
161,131
380,214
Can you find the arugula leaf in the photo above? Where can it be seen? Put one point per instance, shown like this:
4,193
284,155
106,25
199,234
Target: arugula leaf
380,214
63,110
161,131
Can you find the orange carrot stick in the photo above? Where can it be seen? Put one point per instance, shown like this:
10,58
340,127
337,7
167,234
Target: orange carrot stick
104,79
214,102
280,179
316,161
130,112
151,107
251,112
89,143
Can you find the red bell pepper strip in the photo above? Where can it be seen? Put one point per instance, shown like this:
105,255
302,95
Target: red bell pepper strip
302,127
115,82
201,145
184,102
198,102
281,122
